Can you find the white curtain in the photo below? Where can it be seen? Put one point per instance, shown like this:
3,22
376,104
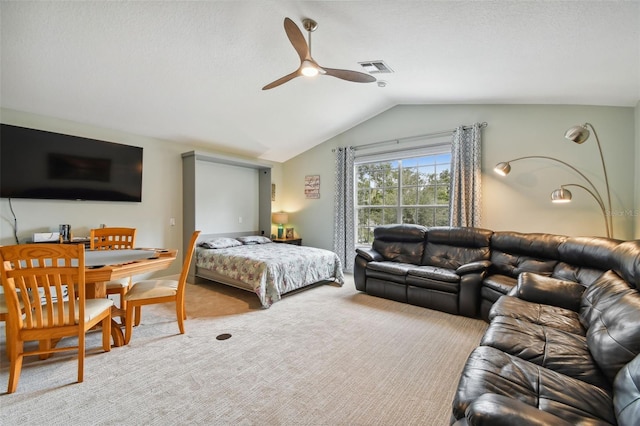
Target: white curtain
343,226
465,192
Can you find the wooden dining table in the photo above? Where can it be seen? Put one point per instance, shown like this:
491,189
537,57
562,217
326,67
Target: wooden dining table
102,266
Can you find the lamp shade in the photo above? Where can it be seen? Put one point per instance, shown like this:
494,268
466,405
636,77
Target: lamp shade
561,195
577,134
502,169
280,218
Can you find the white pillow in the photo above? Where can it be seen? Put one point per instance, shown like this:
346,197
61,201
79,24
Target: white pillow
254,239
220,243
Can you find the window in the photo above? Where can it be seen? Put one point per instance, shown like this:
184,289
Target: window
402,187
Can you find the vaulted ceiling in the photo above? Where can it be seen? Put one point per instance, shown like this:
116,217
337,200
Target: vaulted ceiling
192,71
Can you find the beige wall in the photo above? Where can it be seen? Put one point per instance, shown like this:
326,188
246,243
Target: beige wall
161,192
519,202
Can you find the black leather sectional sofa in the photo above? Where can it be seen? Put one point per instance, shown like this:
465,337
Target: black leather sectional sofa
564,318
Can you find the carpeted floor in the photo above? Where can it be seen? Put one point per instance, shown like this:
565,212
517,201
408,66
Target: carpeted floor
324,356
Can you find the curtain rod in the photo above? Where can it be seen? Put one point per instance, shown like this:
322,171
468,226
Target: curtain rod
400,140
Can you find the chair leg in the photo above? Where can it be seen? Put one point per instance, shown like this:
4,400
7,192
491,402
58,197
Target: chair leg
45,345
123,303
180,316
8,340
15,357
138,315
128,323
81,348
14,374
106,334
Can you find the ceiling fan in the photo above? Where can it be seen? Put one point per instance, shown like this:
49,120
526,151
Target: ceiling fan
308,66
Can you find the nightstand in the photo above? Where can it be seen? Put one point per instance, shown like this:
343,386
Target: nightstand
293,241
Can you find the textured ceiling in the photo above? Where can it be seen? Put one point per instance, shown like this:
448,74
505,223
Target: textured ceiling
193,71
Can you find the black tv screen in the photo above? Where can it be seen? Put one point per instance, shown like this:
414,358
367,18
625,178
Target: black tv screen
45,165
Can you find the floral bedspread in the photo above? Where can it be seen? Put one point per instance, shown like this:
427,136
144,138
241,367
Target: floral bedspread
272,269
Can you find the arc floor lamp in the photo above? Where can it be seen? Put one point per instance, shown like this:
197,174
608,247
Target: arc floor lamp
578,134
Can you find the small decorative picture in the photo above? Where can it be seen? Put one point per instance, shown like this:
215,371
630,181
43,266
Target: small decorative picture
312,186
289,233
273,192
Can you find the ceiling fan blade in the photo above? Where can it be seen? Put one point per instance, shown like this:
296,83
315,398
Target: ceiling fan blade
355,76
282,80
296,38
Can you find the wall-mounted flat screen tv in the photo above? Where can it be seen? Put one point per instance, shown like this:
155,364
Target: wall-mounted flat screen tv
45,165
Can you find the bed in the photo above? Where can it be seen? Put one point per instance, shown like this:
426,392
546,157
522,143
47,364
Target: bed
268,269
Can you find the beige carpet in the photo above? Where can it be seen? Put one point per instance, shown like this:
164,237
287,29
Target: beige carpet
325,356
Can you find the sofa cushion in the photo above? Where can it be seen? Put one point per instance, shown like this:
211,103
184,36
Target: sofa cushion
491,409
435,273
513,264
514,252
557,350
394,268
536,313
388,271
500,283
591,252
451,247
400,243
611,312
626,262
549,291
490,295
579,274
490,370
537,245
626,393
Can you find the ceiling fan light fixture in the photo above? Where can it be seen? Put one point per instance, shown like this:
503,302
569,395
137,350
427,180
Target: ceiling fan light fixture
308,66
309,69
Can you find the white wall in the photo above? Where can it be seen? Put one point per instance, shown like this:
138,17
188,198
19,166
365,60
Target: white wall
227,198
161,192
519,202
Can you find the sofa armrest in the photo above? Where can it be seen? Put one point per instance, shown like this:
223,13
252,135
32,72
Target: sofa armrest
369,254
498,410
477,266
548,291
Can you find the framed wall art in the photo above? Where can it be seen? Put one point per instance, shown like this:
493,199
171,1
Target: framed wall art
312,186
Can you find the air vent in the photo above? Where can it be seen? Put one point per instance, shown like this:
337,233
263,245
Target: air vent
376,67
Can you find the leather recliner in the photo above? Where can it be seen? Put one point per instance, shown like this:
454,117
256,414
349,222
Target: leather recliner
440,268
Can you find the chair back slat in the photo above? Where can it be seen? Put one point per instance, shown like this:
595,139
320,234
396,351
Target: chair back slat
112,238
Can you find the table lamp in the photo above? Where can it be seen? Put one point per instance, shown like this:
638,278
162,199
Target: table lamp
280,218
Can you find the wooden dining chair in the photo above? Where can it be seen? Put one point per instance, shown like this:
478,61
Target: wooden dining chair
45,270
4,311
159,291
115,238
